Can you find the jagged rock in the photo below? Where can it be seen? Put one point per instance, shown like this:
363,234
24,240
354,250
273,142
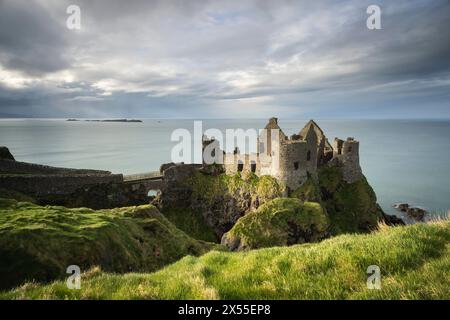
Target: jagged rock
401,206
5,154
416,213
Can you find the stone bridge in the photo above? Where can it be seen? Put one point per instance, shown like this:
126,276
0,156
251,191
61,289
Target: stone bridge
143,183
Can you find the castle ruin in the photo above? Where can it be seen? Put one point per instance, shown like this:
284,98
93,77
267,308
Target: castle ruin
292,160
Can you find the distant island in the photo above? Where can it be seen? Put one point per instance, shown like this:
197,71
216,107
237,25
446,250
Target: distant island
109,120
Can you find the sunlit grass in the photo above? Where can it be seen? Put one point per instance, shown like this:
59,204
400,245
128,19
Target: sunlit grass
414,262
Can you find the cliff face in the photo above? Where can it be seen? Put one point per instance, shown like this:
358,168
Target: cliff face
352,207
218,201
279,222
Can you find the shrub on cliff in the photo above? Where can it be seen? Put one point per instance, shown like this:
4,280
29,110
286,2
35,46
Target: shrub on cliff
414,262
279,222
41,242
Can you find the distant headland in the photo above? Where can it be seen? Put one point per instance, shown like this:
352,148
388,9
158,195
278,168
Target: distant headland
108,120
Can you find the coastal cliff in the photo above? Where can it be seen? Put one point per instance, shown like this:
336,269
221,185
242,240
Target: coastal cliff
219,202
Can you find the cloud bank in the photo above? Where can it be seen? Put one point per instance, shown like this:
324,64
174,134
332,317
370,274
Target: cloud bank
214,59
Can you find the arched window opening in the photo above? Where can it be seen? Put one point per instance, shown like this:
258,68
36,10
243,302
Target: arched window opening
253,166
296,165
240,166
308,155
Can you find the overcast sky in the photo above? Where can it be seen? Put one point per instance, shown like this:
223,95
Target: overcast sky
232,59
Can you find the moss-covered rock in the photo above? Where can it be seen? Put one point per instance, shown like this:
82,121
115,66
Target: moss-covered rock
280,222
39,243
220,200
352,207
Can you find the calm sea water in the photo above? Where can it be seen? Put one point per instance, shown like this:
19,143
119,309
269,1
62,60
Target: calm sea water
404,160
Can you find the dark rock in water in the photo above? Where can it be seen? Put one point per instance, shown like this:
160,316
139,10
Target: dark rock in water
5,154
72,119
416,213
401,206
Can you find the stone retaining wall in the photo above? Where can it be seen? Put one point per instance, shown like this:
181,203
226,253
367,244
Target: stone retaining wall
10,166
39,185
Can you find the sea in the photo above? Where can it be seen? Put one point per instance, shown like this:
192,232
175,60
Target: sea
403,160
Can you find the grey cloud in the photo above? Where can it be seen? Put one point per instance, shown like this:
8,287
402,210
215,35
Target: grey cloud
31,40
188,57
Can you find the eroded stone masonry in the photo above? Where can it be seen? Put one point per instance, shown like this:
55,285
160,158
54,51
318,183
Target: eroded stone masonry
291,160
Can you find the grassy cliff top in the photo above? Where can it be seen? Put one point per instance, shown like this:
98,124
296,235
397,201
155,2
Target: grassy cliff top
39,242
414,262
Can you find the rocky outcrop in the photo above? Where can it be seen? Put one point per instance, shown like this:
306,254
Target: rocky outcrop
5,154
221,199
352,207
279,222
416,213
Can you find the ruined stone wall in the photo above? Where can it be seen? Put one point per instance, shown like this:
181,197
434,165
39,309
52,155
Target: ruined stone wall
337,147
231,163
293,160
10,166
348,159
311,153
293,165
38,185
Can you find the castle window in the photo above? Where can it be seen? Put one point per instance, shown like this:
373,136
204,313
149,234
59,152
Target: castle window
308,156
349,149
240,166
253,167
296,165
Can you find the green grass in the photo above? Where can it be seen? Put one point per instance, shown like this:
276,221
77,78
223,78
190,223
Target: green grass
41,242
282,221
192,222
414,262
